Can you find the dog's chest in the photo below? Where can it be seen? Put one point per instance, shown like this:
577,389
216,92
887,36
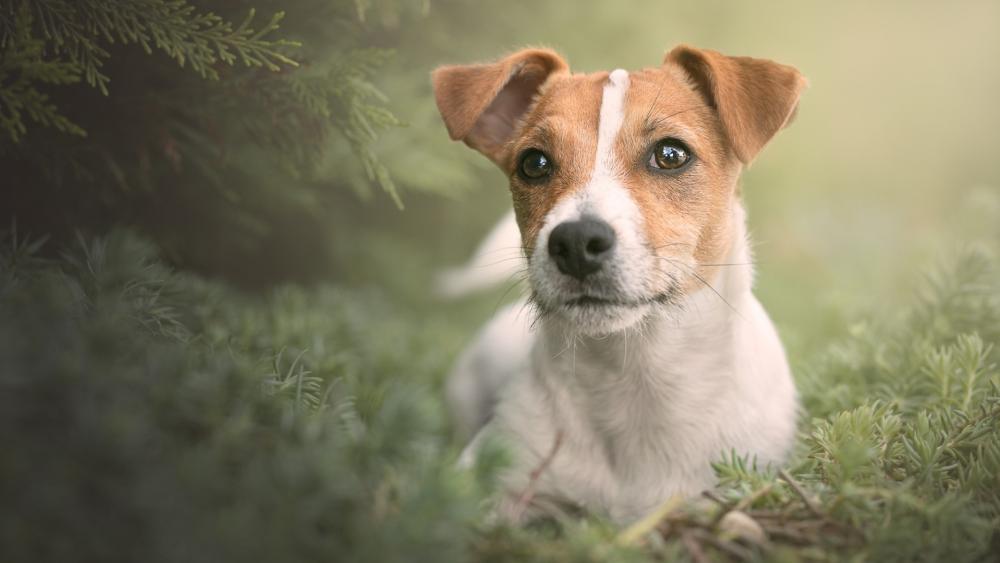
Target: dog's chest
623,466
633,429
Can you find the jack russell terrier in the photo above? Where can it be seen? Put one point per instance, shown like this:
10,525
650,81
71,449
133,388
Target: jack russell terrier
650,357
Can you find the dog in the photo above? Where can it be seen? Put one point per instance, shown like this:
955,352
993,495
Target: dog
648,357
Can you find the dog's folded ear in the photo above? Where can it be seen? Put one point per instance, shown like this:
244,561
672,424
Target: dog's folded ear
482,103
754,98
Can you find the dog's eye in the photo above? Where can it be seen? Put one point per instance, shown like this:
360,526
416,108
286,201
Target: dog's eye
669,154
534,165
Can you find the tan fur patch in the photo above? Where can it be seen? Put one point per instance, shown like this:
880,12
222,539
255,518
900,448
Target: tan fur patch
563,125
685,213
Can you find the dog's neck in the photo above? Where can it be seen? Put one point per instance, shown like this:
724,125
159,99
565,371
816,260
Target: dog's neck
677,358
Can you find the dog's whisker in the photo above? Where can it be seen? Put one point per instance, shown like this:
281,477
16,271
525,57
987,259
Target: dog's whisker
656,98
517,248
625,352
563,351
659,121
542,310
669,245
527,309
695,275
518,278
574,355
706,264
702,264
498,262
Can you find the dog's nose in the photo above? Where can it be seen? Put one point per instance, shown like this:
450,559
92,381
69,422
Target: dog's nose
580,248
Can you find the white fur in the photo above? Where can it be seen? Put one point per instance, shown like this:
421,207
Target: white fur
497,354
644,398
498,258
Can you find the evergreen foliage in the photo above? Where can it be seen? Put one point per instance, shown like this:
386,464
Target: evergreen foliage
129,111
72,33
22,67
145,418
153,415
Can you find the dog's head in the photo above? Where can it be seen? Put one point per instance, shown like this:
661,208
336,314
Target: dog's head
624,183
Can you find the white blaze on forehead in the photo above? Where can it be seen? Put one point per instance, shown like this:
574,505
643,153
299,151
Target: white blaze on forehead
603,196
612,115
603,191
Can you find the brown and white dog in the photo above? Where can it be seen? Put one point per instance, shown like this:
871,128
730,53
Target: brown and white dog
651,358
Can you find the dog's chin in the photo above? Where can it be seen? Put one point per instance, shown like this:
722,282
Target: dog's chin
598,317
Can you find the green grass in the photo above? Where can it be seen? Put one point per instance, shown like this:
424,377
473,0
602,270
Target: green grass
155,416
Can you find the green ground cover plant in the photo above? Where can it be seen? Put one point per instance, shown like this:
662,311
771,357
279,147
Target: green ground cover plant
153,415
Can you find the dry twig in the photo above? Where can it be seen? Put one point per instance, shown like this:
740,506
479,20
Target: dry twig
801,493
529,491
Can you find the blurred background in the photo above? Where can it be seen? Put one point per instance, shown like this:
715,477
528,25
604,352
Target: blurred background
894,143
287,194
340,170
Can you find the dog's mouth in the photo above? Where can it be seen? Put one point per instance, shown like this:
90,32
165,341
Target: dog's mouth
587,301
597,314
595,302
